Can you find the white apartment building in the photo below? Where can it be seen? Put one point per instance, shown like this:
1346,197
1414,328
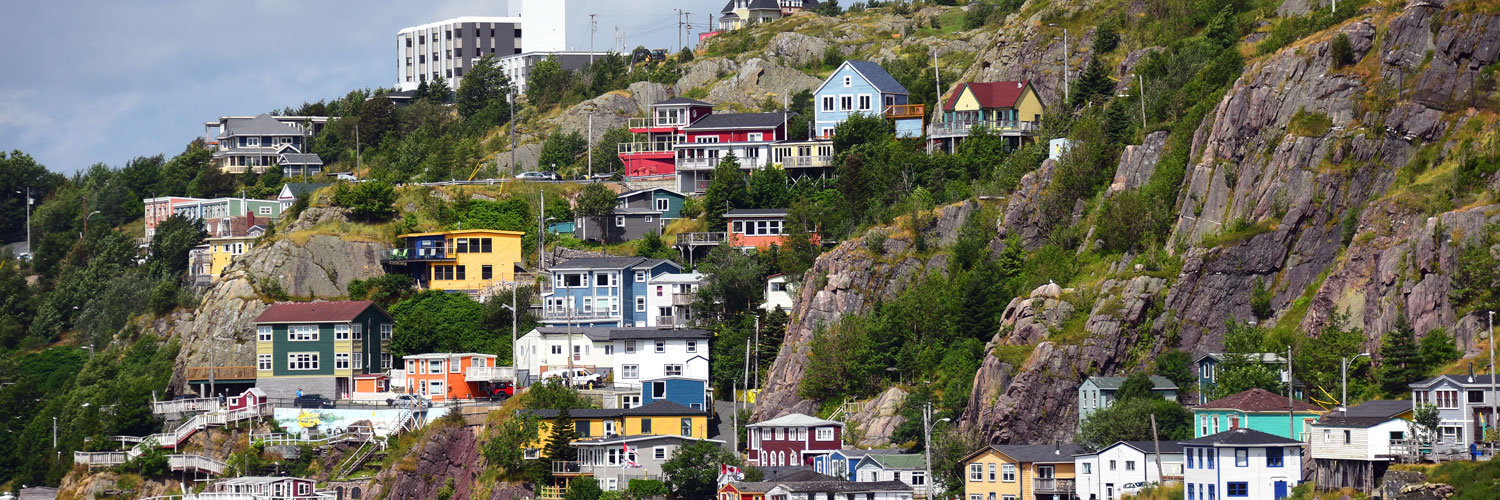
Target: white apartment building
1126,467
628,355
450,47
669,298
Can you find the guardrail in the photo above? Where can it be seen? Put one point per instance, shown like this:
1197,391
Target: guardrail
99,458
697,239
567,467
1053,485
489,373
196,463
577,314
626,148
185,405
906,111
217,495
684,299
807,161
963,128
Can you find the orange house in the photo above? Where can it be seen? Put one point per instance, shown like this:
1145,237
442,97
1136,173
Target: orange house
744,490
448,376
758,228
371,383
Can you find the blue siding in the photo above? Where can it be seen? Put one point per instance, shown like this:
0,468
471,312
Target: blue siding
674,203
834,87
909,128
835,462
629,289
685,392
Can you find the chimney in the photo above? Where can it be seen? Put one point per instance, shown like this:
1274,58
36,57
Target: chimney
1471,372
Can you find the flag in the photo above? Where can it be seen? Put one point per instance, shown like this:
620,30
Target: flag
629,457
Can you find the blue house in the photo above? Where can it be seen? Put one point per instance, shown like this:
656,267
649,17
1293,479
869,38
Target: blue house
665,202
607,291
842,463
692,393
863,87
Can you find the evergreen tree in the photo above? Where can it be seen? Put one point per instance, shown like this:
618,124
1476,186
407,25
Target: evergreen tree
1093,85
798,251
1400,361
596,202
725,191
376,118
421,91
1437,350
1136,386
768,188
483,86
563,433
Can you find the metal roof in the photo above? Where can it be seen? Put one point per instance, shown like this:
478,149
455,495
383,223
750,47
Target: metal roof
1157,382
1241,437
756,212
316,312
1039,453
795,420
301,159
261,124
721,121
677,101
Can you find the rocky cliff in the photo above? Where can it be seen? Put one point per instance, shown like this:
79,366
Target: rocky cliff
446,459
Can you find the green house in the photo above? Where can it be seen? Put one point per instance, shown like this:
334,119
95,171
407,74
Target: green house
1256,409
319,347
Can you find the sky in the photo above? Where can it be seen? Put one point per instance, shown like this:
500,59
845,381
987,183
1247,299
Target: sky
106,81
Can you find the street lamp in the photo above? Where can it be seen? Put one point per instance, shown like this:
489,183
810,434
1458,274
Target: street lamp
514,291
927,443
86,223
1344,377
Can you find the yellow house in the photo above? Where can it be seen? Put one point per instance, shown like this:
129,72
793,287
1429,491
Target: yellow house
462,260
659,418
1008,108
1021,472
223,250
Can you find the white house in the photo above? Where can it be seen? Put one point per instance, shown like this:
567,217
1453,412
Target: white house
1352,448
670,297
909,468
548,348
1241,463
1126,467
816,490
628,354
779,293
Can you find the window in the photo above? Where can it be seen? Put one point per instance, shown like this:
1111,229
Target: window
1274,457
1447,399
661,346
1208,458
302,333
463,246
385,331
828,103
487,245
557,349
263,362
674,370
1346,437
687,427
453,366
619,221
992,472
1008,473
630,371
846,102
629,347
1191,491
976,473
609,349
340,332
486,272
645,422
1189,454
341,361
265,210
1111,465
460,272
648,218
1130,465
663,204
1203,424
848,80
1088,468
385,361
263,333
692,346
302,361
435,366
823,434
640,276
864,103
359,331
1241,457
640,304
659,453
581,427
1237,489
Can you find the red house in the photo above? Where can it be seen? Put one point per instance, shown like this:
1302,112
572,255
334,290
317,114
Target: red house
650,154
758,228
792,440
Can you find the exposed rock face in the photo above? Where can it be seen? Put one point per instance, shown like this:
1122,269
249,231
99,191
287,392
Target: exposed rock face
1022,214
323,267
446,453
796,49
758,80
1137,163
703,72
1031,318
875,420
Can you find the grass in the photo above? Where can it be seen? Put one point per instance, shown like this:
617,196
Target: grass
1303,123
1238,231
1168,492
1013,355
1470,480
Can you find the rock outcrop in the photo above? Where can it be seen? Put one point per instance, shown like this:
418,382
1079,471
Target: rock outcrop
873,422
758,80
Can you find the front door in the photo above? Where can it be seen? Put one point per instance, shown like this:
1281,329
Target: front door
609,428
1280,489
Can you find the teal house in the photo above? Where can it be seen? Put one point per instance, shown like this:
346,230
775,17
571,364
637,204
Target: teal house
1256,409
320,347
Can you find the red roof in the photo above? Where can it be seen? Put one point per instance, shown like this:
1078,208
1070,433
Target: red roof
314,312
990,94
1257,399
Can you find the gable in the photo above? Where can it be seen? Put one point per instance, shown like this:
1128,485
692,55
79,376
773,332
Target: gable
966,100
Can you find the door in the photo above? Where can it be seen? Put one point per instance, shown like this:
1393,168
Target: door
1280,489
609,428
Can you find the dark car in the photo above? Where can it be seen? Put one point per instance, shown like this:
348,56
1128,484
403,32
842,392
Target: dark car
312,401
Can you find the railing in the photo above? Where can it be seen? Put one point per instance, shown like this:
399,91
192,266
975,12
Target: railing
489,373
649,122
353,433
684,299
906,111
666,321
807,161
567,467
219,372
700,163
962,128
1053,485
549,492
195,463
626,148
577,314
219,495
696,239
99,458
412,255
185,405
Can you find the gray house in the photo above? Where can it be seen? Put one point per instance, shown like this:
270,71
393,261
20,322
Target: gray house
1098,393
636,213
1464,404
615,460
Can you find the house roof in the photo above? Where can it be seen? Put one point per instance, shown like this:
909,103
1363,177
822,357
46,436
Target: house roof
446,355
594,333
692,277
301,159
1334,420
500,232
838,486
617,439
297,189
1157,382
877,76
756,212
1036,453
795,420
757,5
648,190
1480,380
678,101
896,460
607,333
316,312
262,124
1265,357
1368,414
793,473
990,94
661,408
609,263
1241,437
1256,400
1149,447
723,121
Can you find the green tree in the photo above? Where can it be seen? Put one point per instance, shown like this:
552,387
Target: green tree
438,321
18,173
561,150
861,128
1094,85
561,434
1427,418
1177,366
371,201
377,118
1130,420
693,471
734,282
554,394
1137,385
1242,368
1341,51
1106,37
829,8
547,83
386,289
1438,349
482,86
637,489
726,191
606,151
1319,361
175,237
1224,28
1260,300
798,251
596,202
1400,359
768,188
585,489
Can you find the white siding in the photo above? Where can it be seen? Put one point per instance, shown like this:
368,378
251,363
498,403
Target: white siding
1365,443
1260,479
1109,484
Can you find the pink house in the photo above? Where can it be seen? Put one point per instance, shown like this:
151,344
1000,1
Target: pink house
793,440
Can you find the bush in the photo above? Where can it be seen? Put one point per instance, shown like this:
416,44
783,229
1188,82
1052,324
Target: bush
1342,52
1260,300
978,15
369,201
1106,38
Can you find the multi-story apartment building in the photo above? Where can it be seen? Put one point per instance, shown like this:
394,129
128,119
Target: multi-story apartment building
651,151
160,208
712,137
319,347
446,376
466,260
607,291
792,440
449,48
255,143
213,212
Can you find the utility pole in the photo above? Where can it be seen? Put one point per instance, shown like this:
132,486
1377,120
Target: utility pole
541,223
591,141
1065,65
679,29
1142,82
1157,442
757,351
937,79
1291,409
30,250
747,361
356,146
1494,401
593,26
511,97
927,446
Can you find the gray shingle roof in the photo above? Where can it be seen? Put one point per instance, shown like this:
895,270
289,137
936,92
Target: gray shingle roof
1378,408
767,5
1241,437
845,486
1150,447
301,159
597,334
301,188
606,333
720,121
599,263
1157,382
878,77
756,212
262,124
1039,453
681,100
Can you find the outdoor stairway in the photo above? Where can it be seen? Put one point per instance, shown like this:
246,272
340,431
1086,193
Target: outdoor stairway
359,457
215,417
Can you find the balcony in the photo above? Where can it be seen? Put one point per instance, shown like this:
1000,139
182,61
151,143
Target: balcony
903,111
656,147
651,123
666,321
807,161
404,255
568,467
684,299
564,314
1052,486
700,163
489,373
700,239
962,128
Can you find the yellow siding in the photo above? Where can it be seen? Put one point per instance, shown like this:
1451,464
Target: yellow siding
220,255
667,425
966,101
984,487
505,253
1030,106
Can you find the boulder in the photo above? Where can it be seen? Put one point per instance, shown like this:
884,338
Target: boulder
1137,163
796,49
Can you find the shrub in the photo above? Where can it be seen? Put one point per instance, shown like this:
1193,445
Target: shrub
978,15
370,201
1306,124
1106,38
1342,52
1260,300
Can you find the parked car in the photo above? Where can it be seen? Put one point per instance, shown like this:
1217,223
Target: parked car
312,401
576,377
406,400
502,390
537,176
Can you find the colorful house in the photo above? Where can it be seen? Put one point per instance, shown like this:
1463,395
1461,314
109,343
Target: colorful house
1025,471
758,228
643,364
614,461
863,87
670,298
841,463
602,292
662,418
636,213
740,13
293,190
1352,448
650,152
452,376
1241,463
466,260
1257,409
793,439
1010,109
815,490
319,347
1464,404
1098,393
746,136
779,293
1209,365
908,468
234,236
265,487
